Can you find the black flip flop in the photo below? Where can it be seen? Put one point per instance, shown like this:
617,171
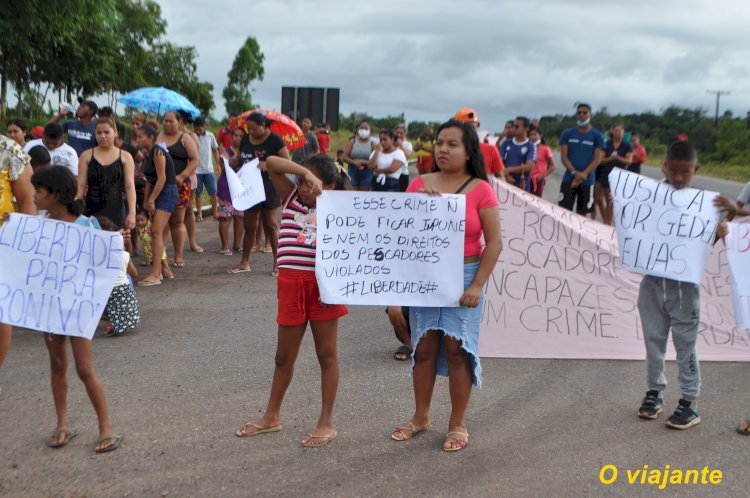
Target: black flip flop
403,350
746,430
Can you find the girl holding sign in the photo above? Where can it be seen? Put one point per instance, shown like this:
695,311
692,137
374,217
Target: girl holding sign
55,191
445,341
299,296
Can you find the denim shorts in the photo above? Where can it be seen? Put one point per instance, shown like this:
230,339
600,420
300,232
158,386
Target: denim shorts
167,200
459,323
360,178
207,179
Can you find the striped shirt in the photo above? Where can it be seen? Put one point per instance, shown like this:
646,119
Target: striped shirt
297,234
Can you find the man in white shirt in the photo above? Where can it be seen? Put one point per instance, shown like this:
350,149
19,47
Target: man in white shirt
207,147
61,154
406,146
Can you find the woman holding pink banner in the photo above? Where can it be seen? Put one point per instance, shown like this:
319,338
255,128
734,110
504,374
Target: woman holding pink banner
55,192
445,340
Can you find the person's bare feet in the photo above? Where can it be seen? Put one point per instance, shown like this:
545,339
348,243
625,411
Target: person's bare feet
261,426
321,436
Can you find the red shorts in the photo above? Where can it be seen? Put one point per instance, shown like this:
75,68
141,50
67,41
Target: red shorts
424,164
299,299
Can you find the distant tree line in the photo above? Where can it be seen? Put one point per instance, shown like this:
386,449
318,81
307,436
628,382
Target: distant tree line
89,48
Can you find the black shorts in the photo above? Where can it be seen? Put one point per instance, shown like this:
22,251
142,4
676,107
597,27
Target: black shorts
403,183
634,168
582,196
272,197
602,174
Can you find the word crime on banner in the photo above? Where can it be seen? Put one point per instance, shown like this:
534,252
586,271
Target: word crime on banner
559,291
245,186
738,255
56,276
386,248
663,231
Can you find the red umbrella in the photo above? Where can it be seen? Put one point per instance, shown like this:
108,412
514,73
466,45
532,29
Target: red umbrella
281,124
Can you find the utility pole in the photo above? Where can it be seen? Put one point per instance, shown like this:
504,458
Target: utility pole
718,93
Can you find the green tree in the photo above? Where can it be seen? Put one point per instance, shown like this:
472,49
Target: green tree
246,68
174,67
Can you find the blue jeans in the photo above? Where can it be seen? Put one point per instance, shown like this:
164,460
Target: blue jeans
207,179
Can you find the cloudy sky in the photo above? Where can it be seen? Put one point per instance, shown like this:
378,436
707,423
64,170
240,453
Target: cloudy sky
428,58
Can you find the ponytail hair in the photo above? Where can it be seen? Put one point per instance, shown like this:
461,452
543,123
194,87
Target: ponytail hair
328,171
61,184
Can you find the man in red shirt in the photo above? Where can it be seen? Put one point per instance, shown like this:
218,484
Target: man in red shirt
493,163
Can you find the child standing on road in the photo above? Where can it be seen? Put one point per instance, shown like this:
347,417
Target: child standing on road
55,191
145,229
298,293
664,303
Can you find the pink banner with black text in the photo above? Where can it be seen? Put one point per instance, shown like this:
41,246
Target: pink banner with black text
559,291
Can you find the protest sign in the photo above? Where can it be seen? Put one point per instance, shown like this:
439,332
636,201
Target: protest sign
662,231
245,185
560,291
56,276
738,255
385,248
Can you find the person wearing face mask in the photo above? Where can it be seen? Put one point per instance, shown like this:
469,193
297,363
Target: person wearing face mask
581,151
357,155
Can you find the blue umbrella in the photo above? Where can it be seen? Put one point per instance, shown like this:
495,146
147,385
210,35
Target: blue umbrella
158,100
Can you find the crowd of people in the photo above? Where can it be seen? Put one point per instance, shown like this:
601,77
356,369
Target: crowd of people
145,184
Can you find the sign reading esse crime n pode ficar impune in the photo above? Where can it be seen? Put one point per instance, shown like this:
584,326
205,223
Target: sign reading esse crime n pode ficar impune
386,248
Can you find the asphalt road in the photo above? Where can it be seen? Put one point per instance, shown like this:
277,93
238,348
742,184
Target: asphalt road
200,366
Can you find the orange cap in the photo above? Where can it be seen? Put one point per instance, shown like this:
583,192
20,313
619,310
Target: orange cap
467,114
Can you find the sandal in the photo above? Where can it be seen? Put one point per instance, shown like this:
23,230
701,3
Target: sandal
54,440
744,428
225,252
116,440
326,440
260,430
403,353
456,437
406,433
179,264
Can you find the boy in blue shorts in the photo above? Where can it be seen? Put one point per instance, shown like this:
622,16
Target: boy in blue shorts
665,304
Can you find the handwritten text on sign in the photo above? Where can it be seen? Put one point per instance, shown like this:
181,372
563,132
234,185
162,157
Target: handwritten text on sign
738,255
559,291
384,248
56,276
662,231
245,186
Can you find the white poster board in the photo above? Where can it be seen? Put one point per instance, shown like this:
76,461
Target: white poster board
386,248
663,231
56,276
738,256
245,185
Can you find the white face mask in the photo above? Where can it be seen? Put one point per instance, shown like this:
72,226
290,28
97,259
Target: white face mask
364,133
583,122
538,142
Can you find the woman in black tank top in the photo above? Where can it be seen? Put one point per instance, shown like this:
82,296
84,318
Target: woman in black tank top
185,157
104,174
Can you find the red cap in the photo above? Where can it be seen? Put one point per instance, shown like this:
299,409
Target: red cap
37,131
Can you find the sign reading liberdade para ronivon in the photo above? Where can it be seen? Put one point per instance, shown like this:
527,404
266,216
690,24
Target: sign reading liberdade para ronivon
386,248
56,276
663,231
